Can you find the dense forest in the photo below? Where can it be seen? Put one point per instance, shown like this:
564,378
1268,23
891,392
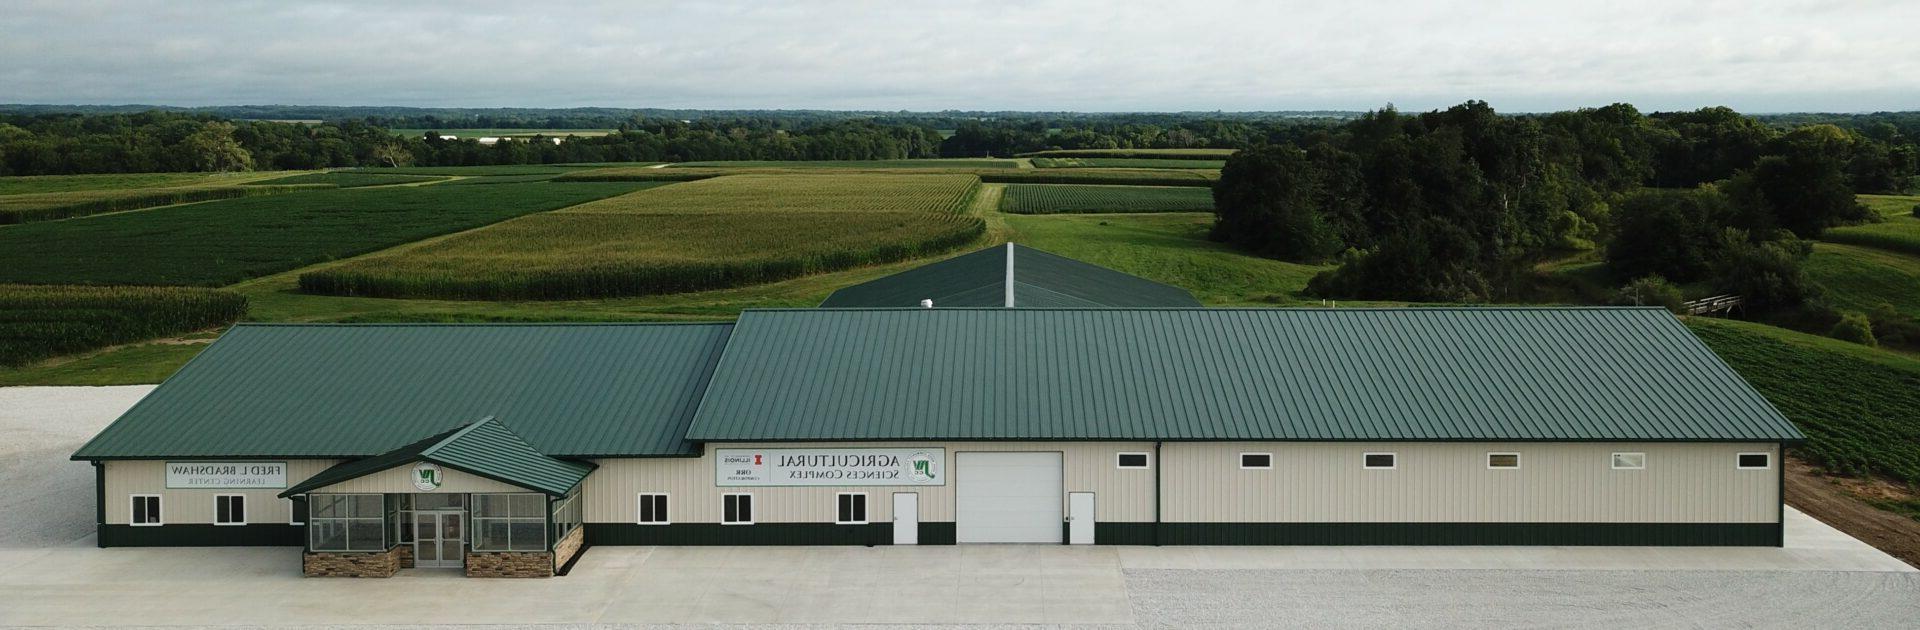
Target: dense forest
1459,205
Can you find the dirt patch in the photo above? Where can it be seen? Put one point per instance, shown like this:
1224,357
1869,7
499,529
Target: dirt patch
1837,501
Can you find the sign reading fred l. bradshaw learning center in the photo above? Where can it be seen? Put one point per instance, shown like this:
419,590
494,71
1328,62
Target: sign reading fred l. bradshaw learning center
830,467
226,475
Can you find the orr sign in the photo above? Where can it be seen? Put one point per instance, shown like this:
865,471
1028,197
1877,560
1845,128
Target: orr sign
830,467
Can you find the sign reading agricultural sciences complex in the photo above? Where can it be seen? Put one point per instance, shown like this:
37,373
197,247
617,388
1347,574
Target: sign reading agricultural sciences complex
226,475
830,467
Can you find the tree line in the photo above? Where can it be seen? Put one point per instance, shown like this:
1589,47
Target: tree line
1459,205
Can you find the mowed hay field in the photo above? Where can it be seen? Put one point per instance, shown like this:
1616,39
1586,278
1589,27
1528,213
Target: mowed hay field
1172,248
707,234
1070,199
1864,278
1899,232
37,322
222,242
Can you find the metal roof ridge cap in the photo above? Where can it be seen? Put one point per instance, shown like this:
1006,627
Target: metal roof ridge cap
1253,309
717,322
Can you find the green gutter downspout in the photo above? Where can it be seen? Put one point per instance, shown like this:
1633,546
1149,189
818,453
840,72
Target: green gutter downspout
1780,522
1158,465
100,504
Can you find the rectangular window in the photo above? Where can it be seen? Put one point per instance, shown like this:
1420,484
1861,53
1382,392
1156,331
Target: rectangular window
1256,461
566,516
736,509
146,509
346,522
229,509
853,509
1629,461
653,509
1503,460
1381,461
1130,460
1755,461
510,522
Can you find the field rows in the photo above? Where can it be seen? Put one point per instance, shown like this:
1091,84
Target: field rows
1070,199
222,242
32,207
37,322
1103,162
707,234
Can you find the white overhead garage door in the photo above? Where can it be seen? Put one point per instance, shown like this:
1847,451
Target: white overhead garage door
1008,498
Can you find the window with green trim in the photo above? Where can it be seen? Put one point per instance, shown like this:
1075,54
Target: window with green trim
510,522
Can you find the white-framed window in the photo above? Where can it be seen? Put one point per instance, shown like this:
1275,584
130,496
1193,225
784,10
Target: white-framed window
736,509
1130,460
1256,461
653,509
1379,461
1754,461
851,508
510,522
1503,461
229,509
293,513
1629,461
145,510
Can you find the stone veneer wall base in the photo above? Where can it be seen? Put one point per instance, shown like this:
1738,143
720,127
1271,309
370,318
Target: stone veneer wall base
378,564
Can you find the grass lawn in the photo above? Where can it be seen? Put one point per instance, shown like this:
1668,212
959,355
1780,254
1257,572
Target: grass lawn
1860,278
1891,205
1170,248
1070,199
131,365
1860,407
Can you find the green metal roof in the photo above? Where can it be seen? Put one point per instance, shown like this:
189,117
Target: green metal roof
485,448
1013,276
1495,374
348,391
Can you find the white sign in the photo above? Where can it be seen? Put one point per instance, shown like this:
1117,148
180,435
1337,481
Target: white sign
226,475
426,477
830,467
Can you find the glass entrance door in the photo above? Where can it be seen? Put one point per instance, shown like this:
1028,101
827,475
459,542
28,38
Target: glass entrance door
438,539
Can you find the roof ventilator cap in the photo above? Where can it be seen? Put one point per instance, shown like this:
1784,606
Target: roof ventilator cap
926,303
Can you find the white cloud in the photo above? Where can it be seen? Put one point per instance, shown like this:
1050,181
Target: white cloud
1761,55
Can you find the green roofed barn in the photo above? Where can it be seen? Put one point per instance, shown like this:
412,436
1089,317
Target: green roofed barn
1128,416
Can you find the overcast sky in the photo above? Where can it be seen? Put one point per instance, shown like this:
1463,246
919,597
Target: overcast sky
1097,55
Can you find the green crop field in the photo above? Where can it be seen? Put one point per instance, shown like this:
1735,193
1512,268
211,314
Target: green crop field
926,163
709,234
501,179
1897,233
1861,278
1113,177
475,171
1859,407
1068,199
351,179
29,208
1164,154
1169,248
223,242
1101,162
69,183
37,322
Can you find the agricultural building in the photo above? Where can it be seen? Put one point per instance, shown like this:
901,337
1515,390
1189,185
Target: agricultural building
504,450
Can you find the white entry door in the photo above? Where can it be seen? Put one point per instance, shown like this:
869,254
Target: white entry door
1007,497
906,518
1079,518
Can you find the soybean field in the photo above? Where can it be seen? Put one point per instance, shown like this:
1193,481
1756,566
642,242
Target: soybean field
27,208
1072,199
707,234
351,179
222,242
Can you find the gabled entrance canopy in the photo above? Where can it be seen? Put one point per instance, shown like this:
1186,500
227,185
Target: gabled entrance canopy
484,448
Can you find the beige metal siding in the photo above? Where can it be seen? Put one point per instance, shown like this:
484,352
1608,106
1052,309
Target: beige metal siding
1450,482
195,506
611,492
400,481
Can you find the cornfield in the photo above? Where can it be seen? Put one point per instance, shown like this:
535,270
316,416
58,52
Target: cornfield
1062,199
708,234
37,322
1104,162
1113,177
